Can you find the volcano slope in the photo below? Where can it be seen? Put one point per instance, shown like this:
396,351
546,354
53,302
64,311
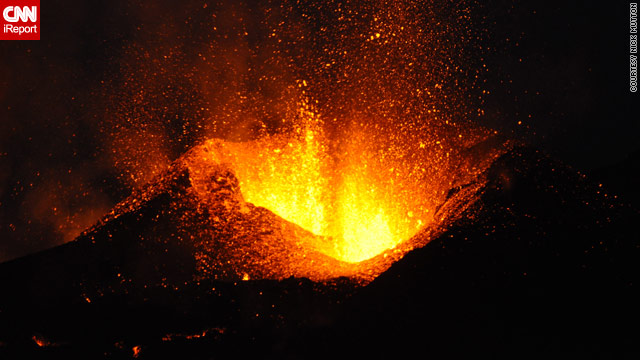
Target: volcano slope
541,261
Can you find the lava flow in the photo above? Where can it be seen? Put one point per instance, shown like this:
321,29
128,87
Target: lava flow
359,205
358,199
349,123
308,201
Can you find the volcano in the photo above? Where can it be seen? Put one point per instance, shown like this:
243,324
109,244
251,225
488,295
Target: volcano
528,257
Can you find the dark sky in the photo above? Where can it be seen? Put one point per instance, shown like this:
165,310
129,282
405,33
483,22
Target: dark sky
567,79
558,79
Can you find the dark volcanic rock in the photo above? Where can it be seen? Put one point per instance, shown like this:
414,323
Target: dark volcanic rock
547,267
543,263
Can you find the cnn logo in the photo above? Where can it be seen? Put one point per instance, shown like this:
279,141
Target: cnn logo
20,20
16,13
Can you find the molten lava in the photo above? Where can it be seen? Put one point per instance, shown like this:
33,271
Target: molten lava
340,135
356,202
360,197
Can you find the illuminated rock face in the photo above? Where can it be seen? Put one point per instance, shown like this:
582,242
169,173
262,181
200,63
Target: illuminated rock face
307,227
196,209
192,223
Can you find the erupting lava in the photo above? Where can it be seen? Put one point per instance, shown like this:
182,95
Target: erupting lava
351,121
357,199
361,196
300,203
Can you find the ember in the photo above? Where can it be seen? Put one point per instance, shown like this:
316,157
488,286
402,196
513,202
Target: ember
361,200
286,205
41,341
359,145
358,208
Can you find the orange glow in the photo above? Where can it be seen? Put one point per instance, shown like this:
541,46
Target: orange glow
41,341
313,202
361,139
358,199
171,337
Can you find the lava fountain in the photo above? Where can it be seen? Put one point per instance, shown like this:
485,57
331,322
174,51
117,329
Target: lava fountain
355,199
351,121
361,202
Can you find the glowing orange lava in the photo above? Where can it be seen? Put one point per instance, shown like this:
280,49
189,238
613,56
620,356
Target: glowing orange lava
353,121
360,200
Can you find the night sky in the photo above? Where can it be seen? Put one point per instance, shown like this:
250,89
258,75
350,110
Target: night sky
558,80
